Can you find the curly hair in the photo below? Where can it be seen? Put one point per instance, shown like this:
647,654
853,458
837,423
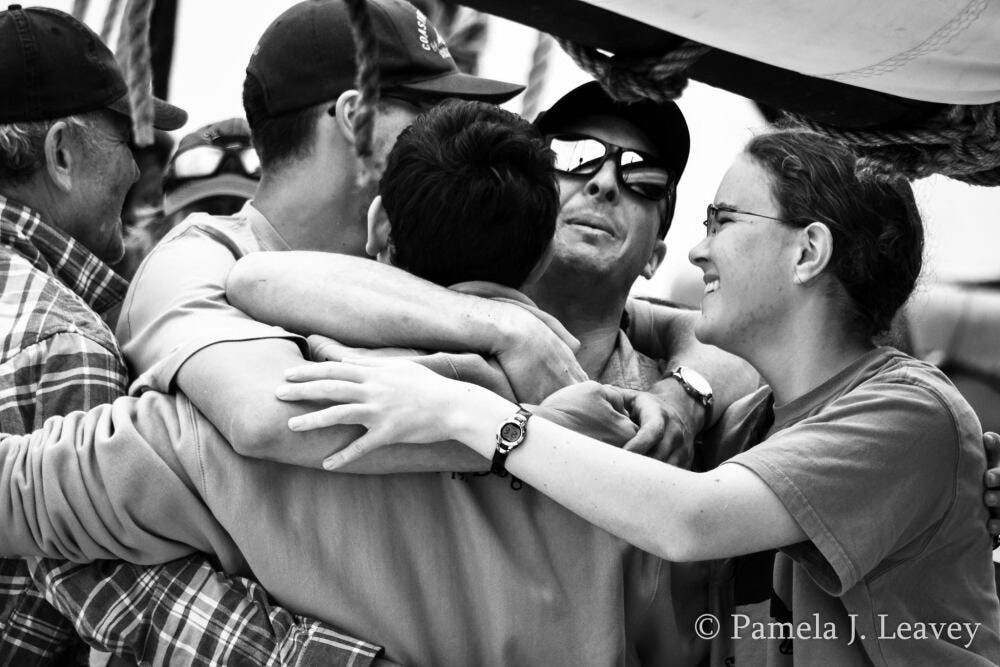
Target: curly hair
878,236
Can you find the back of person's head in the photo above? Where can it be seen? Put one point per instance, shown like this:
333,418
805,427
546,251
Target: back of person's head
470,194
306,59
878,236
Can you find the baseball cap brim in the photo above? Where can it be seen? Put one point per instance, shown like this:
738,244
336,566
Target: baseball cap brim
223,185
165,115
663,123
464,86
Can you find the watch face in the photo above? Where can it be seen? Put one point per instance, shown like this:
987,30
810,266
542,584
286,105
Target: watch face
697,382
510,432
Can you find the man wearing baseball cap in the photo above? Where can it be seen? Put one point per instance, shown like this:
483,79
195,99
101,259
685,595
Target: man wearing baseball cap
65,168
617,168
301,105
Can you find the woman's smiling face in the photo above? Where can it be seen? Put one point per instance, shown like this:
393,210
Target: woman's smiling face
748,260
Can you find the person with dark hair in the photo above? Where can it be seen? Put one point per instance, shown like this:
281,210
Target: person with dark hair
861,465
301,105
491,570
458,186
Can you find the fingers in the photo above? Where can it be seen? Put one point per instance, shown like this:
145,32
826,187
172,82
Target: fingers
348,369
337,391
652,424
336,415
991,441
352,452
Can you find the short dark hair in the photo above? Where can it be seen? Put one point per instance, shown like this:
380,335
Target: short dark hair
278,138
878,236
470,193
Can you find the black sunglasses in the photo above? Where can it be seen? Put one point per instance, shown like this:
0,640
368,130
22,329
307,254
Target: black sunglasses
640,173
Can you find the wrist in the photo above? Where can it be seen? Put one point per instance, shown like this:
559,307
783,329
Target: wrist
475,416
509,328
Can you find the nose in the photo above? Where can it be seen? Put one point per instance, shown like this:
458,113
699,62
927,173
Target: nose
604,183
698,255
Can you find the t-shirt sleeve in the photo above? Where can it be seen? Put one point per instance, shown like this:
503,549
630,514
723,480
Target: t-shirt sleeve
868,477
177,306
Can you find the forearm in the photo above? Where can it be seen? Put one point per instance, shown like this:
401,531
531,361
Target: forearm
673,513
362,302
88,487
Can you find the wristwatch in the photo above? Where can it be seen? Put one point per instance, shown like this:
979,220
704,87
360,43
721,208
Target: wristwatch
697,387
510,434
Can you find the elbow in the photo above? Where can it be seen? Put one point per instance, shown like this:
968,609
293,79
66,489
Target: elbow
259,432
247,282
686,534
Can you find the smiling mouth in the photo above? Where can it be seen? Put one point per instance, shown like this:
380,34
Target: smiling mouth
711,286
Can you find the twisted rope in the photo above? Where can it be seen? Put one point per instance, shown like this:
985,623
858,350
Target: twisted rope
110,16
626,79
80,9
134,55
961,142
540,58
367,82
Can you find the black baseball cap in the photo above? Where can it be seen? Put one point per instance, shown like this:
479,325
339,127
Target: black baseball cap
53,66
663,123
306,56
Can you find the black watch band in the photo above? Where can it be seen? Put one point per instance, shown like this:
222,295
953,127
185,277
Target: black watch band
510,434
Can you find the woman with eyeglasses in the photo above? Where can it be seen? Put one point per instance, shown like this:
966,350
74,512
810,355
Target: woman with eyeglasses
860,464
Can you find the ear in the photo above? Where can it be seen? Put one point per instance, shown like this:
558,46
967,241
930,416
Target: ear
656,256
59,155
378,231
344,110
814,253
540,267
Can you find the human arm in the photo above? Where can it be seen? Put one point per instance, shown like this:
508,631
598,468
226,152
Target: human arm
673,513
803,489
669,418
369,304
120,481
156,615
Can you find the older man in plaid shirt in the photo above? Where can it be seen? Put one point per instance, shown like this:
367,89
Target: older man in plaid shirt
65,167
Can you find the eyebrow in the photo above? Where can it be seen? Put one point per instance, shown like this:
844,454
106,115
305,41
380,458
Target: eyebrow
729,208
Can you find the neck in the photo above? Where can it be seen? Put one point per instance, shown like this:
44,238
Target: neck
801,355
312,213
40,198
587,311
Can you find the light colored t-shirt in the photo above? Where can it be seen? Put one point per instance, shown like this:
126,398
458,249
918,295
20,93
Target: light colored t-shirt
176,304
881,466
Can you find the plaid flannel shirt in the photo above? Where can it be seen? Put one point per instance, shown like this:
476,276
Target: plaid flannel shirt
58,356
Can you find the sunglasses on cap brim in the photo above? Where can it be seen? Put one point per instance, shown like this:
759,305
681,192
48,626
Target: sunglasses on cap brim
205,161
640,173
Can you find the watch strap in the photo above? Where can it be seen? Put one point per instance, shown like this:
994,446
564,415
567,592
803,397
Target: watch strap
510,434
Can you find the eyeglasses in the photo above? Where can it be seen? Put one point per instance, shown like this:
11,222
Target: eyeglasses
713,224
205,161
640,173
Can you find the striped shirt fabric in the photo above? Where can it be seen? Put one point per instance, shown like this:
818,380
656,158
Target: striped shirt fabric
58,356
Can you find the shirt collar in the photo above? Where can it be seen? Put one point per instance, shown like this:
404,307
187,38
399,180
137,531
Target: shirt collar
53,251
266,234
